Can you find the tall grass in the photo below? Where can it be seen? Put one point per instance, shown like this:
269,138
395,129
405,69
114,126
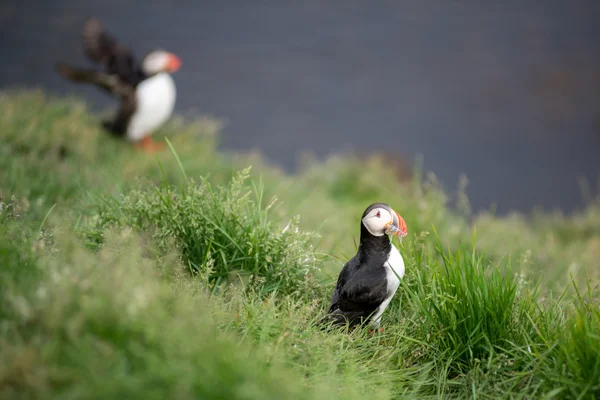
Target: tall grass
225,231
471,308
571,366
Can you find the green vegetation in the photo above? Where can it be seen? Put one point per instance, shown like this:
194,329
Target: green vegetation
189,275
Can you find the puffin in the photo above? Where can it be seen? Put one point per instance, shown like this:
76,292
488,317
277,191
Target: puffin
368,282
145,89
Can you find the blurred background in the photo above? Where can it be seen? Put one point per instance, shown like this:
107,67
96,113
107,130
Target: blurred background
507,93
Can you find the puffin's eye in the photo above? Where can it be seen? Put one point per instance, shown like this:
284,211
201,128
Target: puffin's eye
378,214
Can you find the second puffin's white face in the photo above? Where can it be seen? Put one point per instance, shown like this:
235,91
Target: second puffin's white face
377,220
160,61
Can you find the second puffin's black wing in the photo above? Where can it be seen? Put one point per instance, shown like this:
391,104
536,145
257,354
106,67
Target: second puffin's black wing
111,84
102,48
107,82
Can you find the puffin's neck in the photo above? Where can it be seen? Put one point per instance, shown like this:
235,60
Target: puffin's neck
373,247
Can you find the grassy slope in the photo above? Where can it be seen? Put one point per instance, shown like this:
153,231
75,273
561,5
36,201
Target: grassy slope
124,276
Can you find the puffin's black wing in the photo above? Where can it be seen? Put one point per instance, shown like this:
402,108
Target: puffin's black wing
107,82
102,48
349,268
110,83
358,293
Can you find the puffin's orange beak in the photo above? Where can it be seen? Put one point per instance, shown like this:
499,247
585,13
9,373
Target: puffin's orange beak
402,229
173,63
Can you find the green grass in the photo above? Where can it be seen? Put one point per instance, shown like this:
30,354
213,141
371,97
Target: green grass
224,232
471,309
190,275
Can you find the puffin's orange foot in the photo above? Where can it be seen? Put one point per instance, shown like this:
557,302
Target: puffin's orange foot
148,145
371,331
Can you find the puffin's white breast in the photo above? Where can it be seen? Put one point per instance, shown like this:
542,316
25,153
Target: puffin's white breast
394,268
155,101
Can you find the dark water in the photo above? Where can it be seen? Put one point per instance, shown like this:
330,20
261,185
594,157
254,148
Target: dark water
506,92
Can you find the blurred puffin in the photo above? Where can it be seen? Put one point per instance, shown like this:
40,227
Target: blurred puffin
146,90
370,279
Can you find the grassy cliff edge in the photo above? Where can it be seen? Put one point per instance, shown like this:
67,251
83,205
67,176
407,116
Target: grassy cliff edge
191,275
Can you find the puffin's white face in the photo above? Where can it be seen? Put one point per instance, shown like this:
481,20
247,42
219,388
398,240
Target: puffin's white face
381,221
160,61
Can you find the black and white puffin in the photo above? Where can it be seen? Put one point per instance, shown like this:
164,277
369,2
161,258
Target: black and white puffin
368,282
146,90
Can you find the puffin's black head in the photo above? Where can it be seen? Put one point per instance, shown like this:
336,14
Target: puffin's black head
379,219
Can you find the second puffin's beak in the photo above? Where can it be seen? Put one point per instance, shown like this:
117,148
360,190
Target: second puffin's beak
400,224
173,63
